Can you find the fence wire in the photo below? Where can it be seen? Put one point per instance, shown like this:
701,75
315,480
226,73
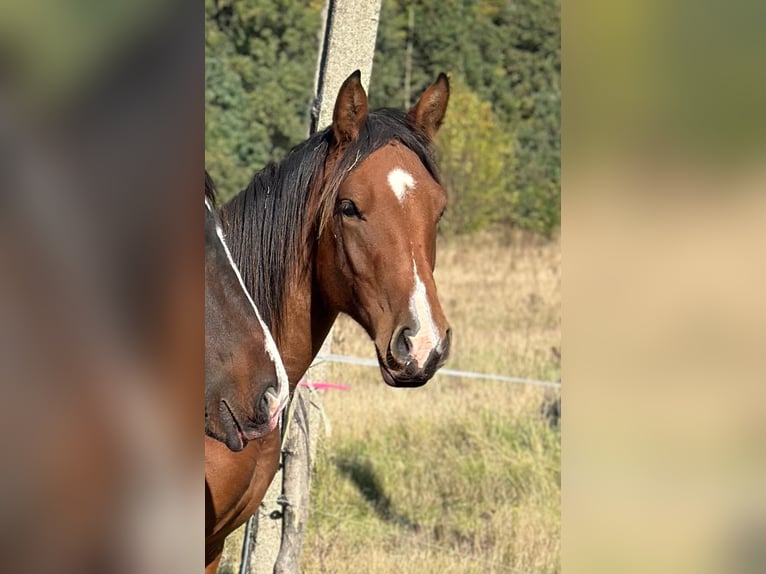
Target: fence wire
333,358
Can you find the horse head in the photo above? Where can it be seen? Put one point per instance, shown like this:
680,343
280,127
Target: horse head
377,242
246,387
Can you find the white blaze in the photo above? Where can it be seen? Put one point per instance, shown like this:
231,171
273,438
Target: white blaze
401,182
427,336
271,346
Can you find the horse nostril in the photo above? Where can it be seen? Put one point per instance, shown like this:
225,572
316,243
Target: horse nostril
401,345
267,397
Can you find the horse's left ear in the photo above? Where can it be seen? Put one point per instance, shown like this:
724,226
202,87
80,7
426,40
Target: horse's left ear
350,111
428,113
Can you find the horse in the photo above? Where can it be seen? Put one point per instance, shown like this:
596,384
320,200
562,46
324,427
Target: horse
346,223
246,386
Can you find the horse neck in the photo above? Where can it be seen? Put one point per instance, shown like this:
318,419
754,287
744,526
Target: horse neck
307,318
306,324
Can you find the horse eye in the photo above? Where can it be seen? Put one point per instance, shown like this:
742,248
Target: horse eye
441,214
348,208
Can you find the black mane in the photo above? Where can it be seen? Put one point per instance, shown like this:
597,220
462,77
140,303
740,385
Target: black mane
272,226
210,193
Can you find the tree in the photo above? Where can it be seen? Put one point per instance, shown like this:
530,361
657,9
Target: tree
509,54
476,155
521,42
260,59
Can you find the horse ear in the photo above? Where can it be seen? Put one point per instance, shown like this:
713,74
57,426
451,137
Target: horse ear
428,113
350,111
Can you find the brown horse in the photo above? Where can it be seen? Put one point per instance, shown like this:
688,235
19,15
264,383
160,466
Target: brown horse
246,387
346,223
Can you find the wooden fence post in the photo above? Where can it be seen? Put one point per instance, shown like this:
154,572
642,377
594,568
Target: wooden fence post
348,43
298,456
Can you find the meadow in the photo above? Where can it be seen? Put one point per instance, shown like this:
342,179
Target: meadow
461,475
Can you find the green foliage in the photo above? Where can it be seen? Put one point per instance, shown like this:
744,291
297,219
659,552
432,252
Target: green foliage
476,155
502,126
508,53
260,57
524,83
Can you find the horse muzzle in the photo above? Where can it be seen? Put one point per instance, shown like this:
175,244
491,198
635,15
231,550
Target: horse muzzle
235,430
402,368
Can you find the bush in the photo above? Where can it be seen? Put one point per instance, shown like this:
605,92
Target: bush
476,157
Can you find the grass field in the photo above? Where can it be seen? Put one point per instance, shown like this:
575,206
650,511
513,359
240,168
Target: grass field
460,475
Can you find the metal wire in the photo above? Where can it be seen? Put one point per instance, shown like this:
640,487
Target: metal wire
332,358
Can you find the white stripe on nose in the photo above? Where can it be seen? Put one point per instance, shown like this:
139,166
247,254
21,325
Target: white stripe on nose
426,338
283,393
401,182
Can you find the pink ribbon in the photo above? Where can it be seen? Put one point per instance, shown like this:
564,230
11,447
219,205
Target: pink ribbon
324,386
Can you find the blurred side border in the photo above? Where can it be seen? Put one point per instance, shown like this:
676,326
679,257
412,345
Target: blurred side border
663,315
101,294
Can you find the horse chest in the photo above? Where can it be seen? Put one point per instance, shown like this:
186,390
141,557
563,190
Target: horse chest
237,482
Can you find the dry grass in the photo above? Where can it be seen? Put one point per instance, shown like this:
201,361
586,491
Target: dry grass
460,475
